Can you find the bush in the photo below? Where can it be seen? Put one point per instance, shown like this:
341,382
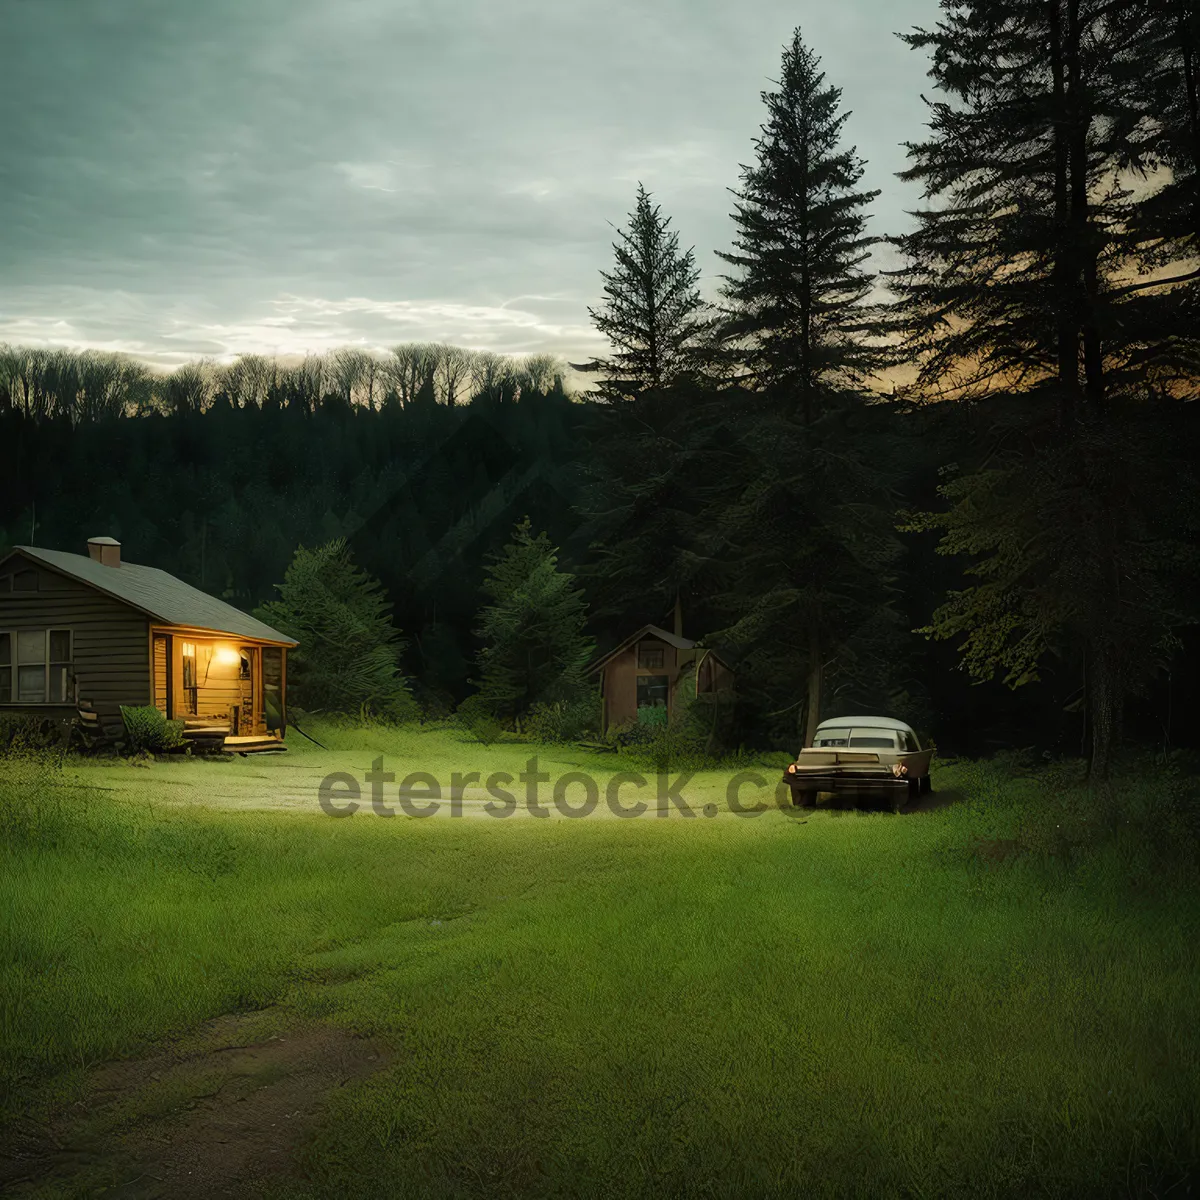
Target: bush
21,732
398,709
564,720
476,717
149,731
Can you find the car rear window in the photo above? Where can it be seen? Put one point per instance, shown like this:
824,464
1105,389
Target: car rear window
872,739
831,737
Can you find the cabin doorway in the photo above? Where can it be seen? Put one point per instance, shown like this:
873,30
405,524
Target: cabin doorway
241,716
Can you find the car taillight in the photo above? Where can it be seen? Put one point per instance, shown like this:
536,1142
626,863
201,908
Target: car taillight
791,768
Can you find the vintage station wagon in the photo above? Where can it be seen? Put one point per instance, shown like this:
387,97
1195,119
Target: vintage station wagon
872,757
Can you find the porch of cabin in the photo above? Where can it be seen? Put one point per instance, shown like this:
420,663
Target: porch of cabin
229,692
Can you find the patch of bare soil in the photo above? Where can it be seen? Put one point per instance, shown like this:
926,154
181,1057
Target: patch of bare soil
218,1117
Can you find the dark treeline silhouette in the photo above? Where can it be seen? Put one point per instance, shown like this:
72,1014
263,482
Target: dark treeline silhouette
1028,500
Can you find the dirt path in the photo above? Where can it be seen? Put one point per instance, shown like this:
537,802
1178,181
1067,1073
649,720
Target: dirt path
216,1116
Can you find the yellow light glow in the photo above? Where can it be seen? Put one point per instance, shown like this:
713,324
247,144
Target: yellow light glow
188,650
227,655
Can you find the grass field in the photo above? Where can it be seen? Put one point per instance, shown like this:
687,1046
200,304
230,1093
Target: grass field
836,1003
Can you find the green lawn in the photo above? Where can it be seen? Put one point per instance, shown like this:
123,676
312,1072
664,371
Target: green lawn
821,1004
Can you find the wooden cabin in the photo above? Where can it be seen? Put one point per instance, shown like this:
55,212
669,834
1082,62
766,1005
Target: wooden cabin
651,670
91,632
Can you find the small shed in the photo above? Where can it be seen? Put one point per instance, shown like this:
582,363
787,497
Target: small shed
644,677
94,632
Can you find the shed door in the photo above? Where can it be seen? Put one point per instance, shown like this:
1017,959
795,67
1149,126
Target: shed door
162,659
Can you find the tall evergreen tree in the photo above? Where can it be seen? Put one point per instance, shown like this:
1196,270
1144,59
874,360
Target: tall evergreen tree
1156,135
796,314
348,657
1017,277
534,631
801,536
1015,285
653,313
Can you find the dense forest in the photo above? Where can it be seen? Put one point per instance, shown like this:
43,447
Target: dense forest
962,491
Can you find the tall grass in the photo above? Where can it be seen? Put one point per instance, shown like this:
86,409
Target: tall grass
827,1004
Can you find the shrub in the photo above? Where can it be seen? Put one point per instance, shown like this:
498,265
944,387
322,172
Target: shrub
149,731
477,718
564,720
20,732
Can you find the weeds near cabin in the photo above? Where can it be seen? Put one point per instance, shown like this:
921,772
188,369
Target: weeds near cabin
149,732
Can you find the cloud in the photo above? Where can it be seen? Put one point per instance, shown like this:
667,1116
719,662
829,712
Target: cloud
217,166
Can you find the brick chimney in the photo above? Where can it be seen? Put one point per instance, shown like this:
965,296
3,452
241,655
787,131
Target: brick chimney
105,550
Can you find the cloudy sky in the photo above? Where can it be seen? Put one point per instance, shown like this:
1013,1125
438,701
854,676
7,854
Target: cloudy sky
186,178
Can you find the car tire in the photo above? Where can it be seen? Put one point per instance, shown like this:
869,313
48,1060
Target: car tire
926,784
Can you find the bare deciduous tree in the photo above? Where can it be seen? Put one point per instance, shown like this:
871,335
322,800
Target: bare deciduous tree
453,366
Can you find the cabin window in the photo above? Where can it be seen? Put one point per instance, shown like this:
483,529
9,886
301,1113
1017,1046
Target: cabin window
652,691
191,703
25,581
650,658
35,666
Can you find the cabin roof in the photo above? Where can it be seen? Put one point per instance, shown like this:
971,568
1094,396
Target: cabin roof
680,643
157,594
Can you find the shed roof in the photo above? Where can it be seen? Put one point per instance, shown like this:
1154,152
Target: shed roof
157,594
680,643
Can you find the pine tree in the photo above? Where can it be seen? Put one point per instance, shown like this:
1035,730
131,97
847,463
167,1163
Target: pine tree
535,645
1156,138
1016,285
796,314
807,559
653,315
349,651
1016,275
801,536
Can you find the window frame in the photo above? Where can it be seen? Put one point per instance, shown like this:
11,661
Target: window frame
651,649
872,733
14,666
645,681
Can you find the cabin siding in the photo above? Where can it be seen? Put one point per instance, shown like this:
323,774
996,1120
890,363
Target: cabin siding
110,641
620,688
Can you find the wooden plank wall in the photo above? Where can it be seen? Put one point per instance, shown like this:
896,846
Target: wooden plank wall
160,673
111,641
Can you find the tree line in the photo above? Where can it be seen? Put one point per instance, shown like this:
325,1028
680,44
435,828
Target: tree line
1026,499
89,385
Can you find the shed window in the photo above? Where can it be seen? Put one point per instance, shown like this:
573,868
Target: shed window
35,666
650,657
652,691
